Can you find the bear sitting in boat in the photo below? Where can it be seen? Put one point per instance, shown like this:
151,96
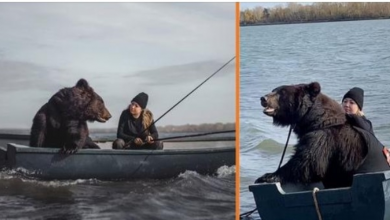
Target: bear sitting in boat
62,121
329,149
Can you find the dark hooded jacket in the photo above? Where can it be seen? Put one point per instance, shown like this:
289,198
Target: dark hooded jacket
361,122
130,128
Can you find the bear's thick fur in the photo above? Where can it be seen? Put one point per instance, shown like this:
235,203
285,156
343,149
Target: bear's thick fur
62,121
329,148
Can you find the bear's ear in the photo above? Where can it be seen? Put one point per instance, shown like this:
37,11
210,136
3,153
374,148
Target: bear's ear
313,89
82,84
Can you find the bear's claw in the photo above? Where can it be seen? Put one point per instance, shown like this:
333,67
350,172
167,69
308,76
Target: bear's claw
67,151
268,178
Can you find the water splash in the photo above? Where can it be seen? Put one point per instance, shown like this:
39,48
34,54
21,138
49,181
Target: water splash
225,171
188,174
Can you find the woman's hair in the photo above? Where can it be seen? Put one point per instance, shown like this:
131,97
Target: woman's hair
359,113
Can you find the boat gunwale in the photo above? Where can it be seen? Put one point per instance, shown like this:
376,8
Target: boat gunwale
5,136
282,192
21,149
279,187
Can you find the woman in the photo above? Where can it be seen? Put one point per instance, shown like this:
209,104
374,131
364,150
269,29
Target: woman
136,129
353,105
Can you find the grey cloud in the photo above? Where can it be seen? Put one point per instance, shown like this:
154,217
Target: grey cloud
23,75
165,49
176,74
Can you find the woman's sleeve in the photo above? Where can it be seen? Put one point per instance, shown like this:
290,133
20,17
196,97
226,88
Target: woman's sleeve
121,127
153,131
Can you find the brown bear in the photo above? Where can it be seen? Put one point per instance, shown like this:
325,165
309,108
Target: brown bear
329,149
62,121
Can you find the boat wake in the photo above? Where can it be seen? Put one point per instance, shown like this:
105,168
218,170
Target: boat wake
268,146
214,195
24,176
188,174
222,172
225,171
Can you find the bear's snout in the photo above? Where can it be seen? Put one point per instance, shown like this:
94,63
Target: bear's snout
263,101
106,114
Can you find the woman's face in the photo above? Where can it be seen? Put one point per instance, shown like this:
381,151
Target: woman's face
135,109
350,106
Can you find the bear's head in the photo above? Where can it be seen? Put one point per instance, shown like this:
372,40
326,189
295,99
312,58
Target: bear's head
289,103
81,102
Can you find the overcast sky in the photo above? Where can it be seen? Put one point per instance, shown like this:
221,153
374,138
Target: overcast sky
163,49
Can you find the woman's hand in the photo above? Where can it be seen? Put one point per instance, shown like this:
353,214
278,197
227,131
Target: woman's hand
149,139
138,141
386,152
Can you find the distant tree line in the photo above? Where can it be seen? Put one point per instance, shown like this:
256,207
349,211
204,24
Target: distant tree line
316,12
181,128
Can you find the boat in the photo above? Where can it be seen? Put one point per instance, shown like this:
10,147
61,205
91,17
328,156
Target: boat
367,198
108,164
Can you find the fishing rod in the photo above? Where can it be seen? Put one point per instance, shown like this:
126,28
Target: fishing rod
151,151
189,94
195,135
154,122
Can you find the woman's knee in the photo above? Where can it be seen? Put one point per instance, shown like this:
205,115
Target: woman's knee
118,144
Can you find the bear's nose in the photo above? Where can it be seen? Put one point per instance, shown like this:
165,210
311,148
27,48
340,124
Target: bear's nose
263,101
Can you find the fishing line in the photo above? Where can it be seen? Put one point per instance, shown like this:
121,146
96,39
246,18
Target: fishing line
151,151
154,122
195,135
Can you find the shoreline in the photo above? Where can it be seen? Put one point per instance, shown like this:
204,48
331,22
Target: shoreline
309,22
